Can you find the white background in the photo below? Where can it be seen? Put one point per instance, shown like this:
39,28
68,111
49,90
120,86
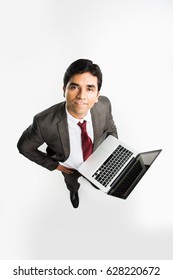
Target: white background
132,41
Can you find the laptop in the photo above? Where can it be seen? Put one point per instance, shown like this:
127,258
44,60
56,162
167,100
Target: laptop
115,168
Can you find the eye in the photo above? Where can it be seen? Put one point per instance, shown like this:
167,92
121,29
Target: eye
73,87
90,89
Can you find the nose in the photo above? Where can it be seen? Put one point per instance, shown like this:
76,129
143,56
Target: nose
82,93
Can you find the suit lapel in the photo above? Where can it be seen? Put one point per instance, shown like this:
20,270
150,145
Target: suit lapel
62,127
95,117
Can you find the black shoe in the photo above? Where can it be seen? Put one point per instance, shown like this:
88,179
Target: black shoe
74,199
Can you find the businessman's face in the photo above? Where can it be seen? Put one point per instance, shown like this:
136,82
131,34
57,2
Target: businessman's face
81,94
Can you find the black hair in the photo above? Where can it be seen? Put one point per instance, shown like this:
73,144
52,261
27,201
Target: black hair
81,66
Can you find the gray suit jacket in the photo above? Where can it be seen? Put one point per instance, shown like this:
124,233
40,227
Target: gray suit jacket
50,126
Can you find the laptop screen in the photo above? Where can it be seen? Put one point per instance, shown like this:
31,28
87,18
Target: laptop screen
149,157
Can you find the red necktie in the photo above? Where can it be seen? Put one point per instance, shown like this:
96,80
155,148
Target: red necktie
86,141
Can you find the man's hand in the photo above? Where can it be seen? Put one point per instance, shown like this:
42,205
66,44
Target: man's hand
64,169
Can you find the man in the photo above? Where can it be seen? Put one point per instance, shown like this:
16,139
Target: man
72,129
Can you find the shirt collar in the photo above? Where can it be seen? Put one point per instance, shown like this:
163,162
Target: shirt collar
73,121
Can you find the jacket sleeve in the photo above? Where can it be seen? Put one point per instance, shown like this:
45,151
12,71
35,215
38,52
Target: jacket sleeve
112,129
28,145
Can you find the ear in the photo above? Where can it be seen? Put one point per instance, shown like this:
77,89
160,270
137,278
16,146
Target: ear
97,97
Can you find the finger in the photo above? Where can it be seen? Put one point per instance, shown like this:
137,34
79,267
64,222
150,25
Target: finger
65,169
68,171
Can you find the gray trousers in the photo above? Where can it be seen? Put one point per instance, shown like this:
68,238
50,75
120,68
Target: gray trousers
71,180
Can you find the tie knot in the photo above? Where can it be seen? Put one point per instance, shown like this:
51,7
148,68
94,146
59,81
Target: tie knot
82,125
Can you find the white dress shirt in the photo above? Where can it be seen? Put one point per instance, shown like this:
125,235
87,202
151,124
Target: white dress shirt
75,158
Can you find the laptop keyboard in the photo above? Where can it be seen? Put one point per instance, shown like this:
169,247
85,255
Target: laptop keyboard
112,165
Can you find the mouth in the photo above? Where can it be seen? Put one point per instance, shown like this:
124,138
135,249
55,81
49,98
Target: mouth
80,103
